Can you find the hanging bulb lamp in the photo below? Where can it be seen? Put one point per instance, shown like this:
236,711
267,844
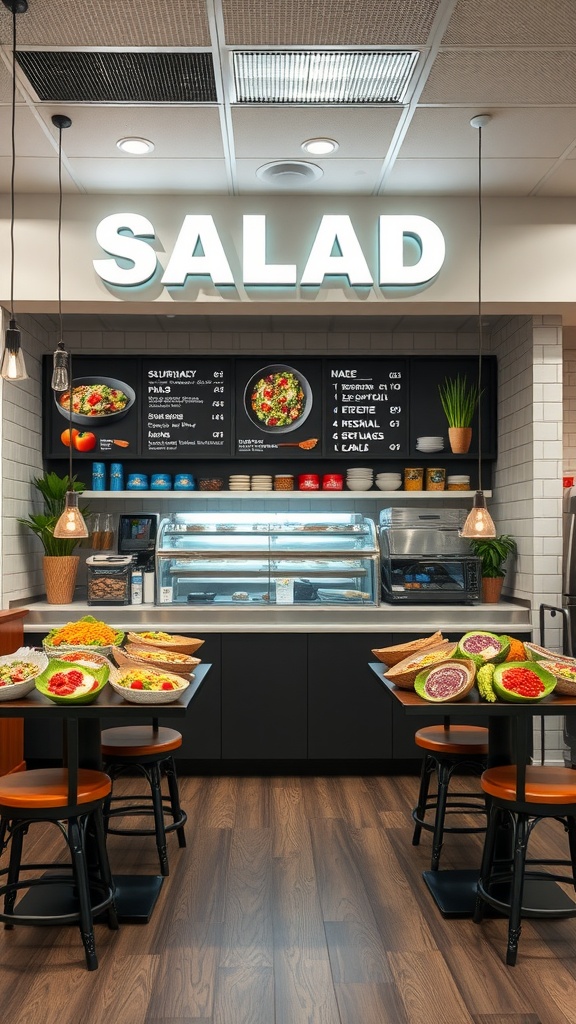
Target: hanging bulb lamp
479,523
71,523
13,364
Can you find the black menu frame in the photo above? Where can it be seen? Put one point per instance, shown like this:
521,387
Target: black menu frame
191,408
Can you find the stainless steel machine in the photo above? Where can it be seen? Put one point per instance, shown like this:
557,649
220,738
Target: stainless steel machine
424,558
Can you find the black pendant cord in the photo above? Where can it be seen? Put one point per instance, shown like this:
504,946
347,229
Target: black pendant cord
13,167
479,308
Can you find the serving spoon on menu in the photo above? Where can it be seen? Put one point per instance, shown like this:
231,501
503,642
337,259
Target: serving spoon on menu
307,445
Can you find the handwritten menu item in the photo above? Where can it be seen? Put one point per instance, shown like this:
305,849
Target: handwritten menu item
366,407
186,407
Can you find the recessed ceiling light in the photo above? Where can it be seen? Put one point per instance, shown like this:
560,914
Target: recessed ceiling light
320,147
138,147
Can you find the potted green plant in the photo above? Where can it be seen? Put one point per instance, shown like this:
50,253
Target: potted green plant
493,552
459,401
60,564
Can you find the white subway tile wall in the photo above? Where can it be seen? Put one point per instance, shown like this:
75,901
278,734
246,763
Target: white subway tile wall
533,390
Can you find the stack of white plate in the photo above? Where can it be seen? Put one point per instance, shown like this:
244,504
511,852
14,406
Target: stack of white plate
359,479
430,444
388,481
261,483
239,482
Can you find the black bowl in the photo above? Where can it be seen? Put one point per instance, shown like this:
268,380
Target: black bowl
264,372
96,421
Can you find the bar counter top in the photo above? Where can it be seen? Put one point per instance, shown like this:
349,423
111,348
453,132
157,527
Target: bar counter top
503,617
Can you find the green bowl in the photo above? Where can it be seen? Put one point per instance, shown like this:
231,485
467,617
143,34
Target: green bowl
43,680
543,674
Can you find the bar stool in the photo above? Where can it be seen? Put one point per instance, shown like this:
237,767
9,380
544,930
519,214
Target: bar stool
148,750
523,798
43,795
448,749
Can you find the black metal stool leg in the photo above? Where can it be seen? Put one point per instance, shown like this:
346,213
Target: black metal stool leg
104,864
486,864
428,765
78,854
158,807
17,831
521,833
176,810
438,837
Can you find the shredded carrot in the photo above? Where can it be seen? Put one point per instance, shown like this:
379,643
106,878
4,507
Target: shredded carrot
517,650
86,634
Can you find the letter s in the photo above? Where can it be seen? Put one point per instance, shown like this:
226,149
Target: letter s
140,253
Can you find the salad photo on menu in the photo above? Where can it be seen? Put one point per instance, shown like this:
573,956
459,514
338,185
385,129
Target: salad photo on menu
278,398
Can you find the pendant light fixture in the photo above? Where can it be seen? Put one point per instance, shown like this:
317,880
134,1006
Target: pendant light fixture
71,523
479,523
61,358
13,365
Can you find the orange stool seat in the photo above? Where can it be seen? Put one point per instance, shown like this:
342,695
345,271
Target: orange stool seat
456,739
43,788
448,749
147,749
548,792
79,892
139,741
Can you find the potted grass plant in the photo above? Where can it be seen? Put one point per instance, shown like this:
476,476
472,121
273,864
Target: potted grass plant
493,552
459,401
60,564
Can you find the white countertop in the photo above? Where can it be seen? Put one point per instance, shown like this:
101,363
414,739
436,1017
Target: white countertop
506,616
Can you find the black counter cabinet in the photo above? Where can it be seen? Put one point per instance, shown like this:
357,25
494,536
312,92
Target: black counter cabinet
300,702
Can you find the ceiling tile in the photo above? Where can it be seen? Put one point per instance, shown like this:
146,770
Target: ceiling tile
460,177
512,132
508,77
345,177
327,22
516,22
109,23
276,133
156,177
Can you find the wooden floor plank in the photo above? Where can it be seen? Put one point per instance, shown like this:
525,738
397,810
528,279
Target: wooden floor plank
247,930
297,900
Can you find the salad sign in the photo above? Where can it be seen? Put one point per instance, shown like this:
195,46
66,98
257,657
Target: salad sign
366,407
186,407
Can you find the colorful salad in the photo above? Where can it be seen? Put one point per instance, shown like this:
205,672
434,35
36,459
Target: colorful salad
94,400
143,679
278,399
17,672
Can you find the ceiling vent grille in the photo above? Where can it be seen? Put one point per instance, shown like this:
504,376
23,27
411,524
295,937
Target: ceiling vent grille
71,76
323,76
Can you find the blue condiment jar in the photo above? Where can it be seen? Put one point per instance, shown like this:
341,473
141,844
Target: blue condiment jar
184,482
160,482
137,482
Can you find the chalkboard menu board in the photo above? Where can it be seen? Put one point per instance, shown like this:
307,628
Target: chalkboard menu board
185,407
366,407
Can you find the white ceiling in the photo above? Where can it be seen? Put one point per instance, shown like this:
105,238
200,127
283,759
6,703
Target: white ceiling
515,60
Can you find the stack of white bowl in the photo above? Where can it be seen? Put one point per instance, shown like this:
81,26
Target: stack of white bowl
430,444
388,481
239,482
359,479
261,483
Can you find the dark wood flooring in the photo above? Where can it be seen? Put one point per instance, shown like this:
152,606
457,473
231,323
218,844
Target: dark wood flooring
296,901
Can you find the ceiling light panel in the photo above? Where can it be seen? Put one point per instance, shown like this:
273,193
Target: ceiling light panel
114,77
323,76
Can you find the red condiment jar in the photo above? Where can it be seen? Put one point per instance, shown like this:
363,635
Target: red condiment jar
309,482
332,482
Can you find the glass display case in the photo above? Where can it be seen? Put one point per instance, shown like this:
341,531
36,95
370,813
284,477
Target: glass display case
231,558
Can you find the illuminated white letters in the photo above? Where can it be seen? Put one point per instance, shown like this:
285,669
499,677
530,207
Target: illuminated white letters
336,232
335,251
430,240
129,247
198,231
255,270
